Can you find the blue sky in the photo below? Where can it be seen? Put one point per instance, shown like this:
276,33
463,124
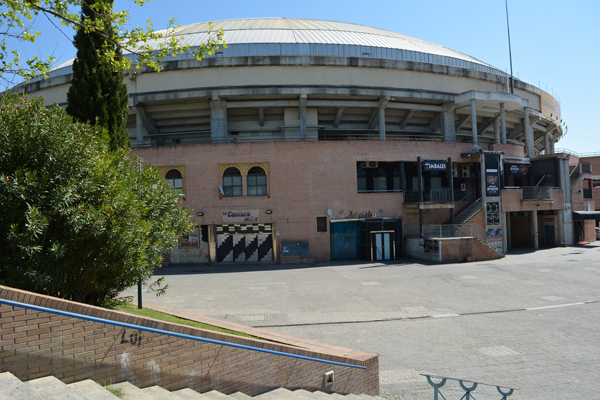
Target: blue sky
555,44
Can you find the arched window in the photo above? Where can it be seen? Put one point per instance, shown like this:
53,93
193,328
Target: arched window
257,182
232,182
174,179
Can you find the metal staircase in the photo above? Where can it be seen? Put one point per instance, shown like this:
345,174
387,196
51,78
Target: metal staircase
469,212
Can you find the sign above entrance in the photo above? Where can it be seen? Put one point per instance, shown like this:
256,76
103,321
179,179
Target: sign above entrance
434,165
519,169
238,216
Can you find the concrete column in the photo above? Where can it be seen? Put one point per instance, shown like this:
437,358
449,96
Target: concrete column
448,124
497,131
503,123
382,124
508,235
534,229
302,116
528,135
560,215
551,144
474,123
547,143
420,187
504,233
218,120
139,128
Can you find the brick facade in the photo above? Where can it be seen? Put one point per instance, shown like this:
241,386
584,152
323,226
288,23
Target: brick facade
36,344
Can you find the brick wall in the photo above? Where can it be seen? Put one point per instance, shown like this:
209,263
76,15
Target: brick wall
305,180
34,344
466,249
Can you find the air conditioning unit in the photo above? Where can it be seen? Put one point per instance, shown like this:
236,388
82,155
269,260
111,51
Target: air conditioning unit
465,171
372,164
455,171
362,165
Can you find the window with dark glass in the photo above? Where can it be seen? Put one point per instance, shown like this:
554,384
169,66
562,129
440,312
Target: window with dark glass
321,224
257,182
174,179
378,177
232,182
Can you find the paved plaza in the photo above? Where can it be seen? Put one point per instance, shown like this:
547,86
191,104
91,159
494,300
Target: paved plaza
530,320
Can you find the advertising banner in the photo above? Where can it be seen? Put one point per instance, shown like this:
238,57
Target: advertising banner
518,169
492,183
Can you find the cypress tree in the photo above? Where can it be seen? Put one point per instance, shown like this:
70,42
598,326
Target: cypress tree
97,94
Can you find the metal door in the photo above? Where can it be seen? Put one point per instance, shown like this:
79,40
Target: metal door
383,246
345,240
549,235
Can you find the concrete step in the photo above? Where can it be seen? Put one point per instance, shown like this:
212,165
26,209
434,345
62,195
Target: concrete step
91,390
317,395
280,394
132,392
214,395
239,396
188,394
11,388
50,388
160,393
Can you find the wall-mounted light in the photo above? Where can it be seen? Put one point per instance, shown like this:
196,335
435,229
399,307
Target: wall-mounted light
269,212
200,214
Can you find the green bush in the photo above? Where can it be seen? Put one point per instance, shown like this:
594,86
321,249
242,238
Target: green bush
77,221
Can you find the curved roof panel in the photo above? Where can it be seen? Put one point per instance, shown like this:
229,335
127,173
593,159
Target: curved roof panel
291,36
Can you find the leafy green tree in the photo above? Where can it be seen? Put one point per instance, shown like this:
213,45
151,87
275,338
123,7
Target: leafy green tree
77,221
148,46
97,94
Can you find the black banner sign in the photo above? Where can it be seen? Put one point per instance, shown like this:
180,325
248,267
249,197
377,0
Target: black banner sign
434,165
492,184
518,169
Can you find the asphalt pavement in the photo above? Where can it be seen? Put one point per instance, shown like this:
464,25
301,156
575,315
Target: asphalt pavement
530,320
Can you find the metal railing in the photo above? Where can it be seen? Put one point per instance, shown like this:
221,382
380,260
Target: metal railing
538,193
468,387
430,195
446,231
169,333
464,198
580,155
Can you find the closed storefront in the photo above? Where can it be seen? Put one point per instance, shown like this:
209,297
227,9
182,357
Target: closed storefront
244,243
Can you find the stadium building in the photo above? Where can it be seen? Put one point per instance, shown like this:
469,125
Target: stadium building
308,140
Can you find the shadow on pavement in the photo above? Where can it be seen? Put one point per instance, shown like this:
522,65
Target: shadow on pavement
237,268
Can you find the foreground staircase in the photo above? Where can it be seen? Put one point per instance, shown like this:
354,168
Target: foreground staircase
50,388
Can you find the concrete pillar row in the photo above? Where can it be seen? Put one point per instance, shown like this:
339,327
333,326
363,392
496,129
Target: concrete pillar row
547,143
527,132
139,127
474,123
302,116
534,229
382,123
497,131
503,123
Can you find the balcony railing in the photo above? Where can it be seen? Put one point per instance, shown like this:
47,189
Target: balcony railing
538,192
447,231
430,195
588,194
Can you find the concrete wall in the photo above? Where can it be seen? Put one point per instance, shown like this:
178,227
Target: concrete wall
35,344
413,249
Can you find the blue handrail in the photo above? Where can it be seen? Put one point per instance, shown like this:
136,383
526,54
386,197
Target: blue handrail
162,332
